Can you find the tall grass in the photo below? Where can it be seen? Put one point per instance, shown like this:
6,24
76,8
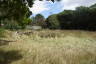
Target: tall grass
54,47
1,32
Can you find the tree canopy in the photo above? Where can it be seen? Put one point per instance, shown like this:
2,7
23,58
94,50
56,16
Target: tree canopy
15,9
80,18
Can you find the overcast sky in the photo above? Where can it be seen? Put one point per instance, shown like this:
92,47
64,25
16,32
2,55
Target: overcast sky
47,8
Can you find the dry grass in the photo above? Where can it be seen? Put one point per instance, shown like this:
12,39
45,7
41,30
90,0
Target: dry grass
53,46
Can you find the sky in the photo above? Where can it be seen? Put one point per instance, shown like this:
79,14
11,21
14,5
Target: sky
47,8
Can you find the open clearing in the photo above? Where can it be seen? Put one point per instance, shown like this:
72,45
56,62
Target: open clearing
48,47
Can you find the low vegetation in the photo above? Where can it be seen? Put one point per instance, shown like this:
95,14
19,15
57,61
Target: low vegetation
51,47
1,32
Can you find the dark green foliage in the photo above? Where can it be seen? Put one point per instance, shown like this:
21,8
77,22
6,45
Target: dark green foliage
52,22
25,22
81,18
16,10
65,18
10,24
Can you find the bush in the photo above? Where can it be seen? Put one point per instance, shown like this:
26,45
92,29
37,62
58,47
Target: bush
25,22
10,24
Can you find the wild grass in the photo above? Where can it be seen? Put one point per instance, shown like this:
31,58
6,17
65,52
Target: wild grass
1,32
53,46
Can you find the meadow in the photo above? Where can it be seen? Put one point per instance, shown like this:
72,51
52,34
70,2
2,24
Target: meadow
48,47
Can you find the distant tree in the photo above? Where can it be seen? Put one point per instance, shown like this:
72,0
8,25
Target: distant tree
80,18
93,6
52,22
93,18
65,19
39,20
83,17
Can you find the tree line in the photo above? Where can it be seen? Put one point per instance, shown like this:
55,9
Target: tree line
15,14
81,18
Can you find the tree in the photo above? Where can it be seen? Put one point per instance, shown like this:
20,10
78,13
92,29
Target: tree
93,6
18,8
66,18
15,9
52,22
39,20
81,18
93,17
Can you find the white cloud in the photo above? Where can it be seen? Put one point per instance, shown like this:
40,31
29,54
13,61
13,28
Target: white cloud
47,8
67,4
39,6
72,4
72,7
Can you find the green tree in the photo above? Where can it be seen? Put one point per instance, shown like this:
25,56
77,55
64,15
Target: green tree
26,21
52,22
66,18
80,18
16,10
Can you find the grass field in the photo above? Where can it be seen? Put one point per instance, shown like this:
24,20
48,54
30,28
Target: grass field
48,47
